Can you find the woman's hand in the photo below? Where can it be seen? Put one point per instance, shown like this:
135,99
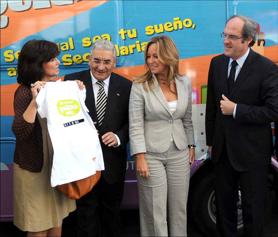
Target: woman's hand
142,165
191,155
80,84
36,87
29,114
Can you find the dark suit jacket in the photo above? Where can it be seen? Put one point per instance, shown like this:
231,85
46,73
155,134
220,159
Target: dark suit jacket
275,144
115,120
247,137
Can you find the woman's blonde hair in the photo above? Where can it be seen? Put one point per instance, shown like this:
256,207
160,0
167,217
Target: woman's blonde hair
167,54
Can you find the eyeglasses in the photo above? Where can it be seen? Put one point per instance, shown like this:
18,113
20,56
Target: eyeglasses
230,37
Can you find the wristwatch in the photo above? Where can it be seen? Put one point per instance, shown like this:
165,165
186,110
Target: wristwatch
191,146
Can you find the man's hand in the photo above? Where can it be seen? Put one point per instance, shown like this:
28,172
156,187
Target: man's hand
227,106
109,139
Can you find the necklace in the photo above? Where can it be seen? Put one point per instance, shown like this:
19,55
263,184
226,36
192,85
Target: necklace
163,82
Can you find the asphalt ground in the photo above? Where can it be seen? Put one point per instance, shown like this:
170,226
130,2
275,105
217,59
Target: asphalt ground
130,226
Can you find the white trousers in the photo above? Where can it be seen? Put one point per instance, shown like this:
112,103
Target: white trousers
163,195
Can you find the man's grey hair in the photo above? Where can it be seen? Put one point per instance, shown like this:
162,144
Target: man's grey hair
105,45
249,29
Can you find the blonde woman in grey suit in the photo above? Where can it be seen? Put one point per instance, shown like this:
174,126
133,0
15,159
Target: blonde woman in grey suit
162,140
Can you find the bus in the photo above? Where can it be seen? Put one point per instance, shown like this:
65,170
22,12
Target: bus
195,27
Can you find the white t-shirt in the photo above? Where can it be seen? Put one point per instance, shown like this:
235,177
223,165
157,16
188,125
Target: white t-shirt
77,150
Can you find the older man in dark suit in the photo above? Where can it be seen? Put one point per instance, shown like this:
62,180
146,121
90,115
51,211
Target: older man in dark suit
242,100
107,97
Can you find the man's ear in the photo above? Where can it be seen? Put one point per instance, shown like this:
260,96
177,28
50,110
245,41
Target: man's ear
89,57
249,40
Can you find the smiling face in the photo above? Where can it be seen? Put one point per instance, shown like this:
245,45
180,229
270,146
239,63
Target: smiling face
153,62
51,68
102,63
234,45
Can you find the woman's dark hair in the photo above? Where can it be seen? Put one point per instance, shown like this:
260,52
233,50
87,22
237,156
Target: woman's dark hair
31,58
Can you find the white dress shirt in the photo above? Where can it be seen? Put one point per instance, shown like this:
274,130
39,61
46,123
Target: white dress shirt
106,87
240,61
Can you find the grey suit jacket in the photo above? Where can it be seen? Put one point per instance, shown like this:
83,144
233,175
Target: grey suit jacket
152,127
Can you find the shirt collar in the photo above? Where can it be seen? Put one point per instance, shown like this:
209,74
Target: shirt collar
240,61
94,80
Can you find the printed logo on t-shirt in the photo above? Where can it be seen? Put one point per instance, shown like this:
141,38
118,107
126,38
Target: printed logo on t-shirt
68,107
73,122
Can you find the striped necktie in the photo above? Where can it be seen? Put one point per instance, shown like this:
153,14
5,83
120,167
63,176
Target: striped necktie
101,102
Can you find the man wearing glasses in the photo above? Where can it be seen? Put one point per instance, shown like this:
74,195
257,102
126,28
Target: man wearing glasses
107,98
242,100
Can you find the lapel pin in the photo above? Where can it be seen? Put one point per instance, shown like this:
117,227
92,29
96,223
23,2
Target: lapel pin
118,94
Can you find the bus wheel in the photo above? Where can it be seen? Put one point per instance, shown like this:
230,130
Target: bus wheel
202,207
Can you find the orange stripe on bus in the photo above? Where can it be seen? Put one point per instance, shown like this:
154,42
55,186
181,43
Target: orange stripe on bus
195,68
7,99
32,21
272,53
